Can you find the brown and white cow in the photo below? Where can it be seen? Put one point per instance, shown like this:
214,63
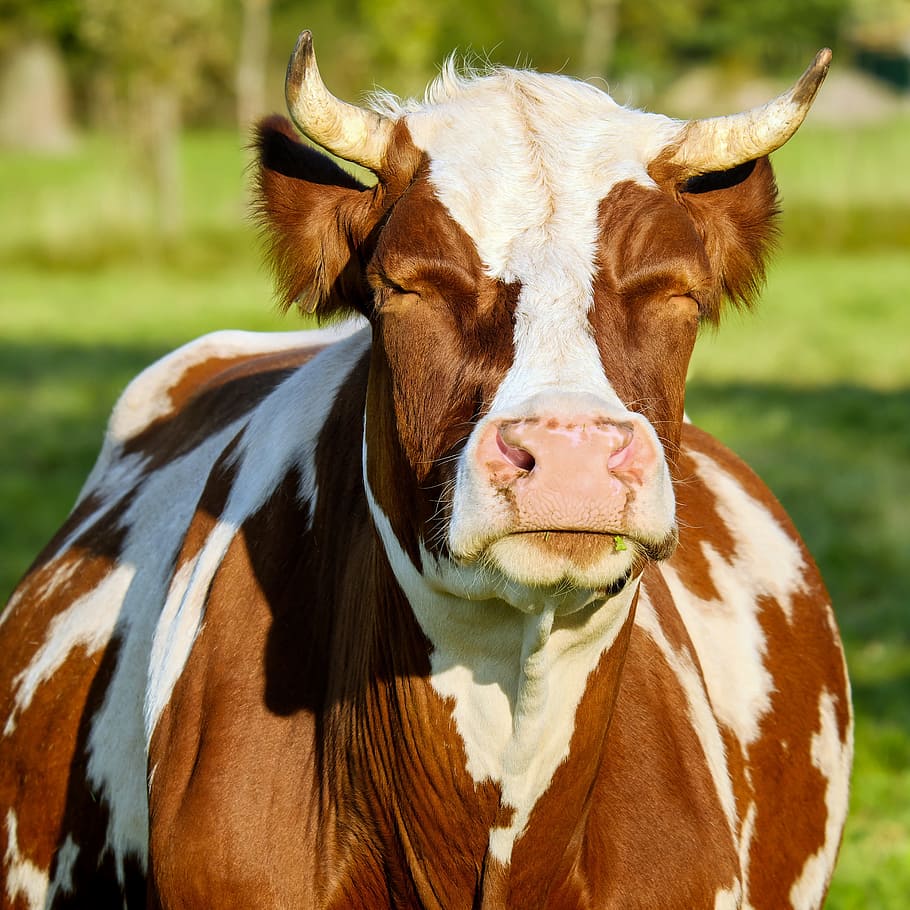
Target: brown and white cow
457,611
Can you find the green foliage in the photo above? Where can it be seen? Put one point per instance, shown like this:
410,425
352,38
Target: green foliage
399,44
168,42
25,20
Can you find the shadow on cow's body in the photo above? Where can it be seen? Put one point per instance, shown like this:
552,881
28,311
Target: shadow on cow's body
455,611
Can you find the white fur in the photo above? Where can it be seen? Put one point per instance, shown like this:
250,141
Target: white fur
701,714
746,834
514,670
87,623
729,898
23,878
833,757
62,882
726,632
531,208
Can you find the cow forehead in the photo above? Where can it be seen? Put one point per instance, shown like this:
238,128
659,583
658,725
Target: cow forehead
521,161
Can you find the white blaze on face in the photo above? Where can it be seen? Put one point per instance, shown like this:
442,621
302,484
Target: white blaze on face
522,161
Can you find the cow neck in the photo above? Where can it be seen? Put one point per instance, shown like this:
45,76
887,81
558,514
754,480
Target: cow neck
499,712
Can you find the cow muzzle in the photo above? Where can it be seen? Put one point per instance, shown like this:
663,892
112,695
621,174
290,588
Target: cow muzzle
565,492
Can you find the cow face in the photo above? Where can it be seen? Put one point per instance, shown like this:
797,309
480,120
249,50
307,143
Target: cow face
535,261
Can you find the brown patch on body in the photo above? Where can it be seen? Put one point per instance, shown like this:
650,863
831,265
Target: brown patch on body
657,836
790,792
803,657
214,372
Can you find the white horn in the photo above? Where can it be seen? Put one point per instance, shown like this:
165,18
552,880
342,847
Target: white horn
348,131
721,143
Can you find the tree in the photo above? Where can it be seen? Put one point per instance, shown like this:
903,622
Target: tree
154,55
252,61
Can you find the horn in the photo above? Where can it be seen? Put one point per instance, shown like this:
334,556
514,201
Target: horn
721,143
350,132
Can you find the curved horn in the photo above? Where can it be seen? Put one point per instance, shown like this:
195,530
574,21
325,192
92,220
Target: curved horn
350,132
721,143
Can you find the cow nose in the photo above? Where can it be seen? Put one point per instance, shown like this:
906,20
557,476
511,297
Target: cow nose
569,472
585,444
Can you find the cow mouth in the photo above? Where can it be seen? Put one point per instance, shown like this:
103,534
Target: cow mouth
573,559
582,545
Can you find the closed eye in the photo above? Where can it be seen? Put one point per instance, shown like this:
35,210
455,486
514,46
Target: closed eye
688,303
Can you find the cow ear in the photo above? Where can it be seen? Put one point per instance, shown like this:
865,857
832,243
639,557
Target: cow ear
735,213
316,219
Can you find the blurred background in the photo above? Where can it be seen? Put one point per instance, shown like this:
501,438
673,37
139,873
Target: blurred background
124,232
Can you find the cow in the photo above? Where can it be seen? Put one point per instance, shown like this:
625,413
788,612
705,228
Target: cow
448,605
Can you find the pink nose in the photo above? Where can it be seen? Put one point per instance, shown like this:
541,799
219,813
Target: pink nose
568,473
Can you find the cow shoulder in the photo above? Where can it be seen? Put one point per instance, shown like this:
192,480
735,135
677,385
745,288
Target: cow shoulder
241,657
108,602
765,642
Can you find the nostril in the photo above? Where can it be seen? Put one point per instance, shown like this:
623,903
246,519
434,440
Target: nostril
621,446
517,456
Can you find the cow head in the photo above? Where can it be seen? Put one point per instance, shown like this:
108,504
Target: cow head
535,261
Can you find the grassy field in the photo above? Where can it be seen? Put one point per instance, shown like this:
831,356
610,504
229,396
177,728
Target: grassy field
813,389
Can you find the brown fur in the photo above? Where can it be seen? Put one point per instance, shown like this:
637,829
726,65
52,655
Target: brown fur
305,758
317,219
735,214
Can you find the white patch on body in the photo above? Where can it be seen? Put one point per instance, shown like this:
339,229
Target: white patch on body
726,632
775,560
746,834
729,898
701,714
87,623
833,758
23,878
63,874
126,605
514,672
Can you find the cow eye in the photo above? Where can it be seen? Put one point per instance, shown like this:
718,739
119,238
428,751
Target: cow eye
397,288
391,295
688,301
687,305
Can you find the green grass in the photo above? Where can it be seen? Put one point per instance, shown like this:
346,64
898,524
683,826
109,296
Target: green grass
813,389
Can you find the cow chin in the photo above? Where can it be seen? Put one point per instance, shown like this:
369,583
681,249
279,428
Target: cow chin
564,559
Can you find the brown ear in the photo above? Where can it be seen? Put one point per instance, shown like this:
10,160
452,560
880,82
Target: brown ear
735,214
316,219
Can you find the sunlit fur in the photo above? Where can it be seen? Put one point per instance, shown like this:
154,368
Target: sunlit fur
295,647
